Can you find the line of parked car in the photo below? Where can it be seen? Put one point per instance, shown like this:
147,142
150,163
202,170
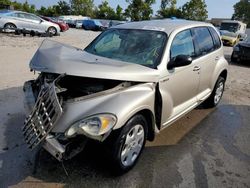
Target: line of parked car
233,33
241,51
18,20
93,24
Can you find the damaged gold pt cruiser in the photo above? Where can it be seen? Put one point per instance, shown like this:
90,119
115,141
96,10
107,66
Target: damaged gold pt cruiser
132,81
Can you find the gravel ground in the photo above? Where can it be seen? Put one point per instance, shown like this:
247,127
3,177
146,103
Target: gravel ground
214,153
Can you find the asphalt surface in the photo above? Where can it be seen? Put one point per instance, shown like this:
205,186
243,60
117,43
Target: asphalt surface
206,148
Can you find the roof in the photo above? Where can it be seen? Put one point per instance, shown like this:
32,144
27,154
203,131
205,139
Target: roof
166,25
232,21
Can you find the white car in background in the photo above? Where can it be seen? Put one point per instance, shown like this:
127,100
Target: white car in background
22,20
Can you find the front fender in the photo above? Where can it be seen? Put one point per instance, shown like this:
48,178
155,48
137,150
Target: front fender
124,104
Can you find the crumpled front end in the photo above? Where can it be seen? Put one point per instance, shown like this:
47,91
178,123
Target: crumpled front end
48,101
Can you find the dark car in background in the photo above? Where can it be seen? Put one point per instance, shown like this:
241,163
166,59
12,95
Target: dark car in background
94,25
63,26
78,24
71,23
241,51
115,23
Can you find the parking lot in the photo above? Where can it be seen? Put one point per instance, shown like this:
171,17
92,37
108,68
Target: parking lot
205,148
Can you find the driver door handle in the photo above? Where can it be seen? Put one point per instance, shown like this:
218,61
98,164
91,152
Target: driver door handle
196,68
217,58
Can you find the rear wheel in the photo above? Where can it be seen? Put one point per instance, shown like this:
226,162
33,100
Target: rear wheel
127,146
217,93
52,31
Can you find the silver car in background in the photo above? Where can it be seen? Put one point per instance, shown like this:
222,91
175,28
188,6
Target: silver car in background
22,20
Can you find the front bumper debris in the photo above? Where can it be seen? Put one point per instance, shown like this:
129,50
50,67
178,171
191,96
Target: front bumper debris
54,147
63,148
44,116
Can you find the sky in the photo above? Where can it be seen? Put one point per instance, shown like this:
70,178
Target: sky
216,8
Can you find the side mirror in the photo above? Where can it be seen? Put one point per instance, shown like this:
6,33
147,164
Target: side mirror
179,61
41,21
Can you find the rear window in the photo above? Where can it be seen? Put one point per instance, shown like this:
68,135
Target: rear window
204,40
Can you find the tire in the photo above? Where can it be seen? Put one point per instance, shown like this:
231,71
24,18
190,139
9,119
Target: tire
215,97
126,147
9,26
52,31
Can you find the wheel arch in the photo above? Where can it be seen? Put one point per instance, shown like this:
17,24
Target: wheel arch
10,23
149,116
223,74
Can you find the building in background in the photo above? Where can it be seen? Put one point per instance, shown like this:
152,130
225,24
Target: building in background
217,21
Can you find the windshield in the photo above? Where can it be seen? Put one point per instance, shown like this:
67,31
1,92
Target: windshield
142,47
247,39
232,27
229,34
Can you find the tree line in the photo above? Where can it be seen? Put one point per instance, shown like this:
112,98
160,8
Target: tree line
136,10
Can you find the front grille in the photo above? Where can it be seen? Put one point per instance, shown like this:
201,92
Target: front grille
225,41
42,119
245,52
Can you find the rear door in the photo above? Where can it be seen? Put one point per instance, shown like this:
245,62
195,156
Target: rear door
207,57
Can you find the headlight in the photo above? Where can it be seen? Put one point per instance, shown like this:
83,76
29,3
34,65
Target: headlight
94,126
236,48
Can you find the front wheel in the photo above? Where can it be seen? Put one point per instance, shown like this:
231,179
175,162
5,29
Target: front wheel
127,146
217,93
52,31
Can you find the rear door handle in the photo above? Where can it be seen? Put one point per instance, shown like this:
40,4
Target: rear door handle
217,58
196,68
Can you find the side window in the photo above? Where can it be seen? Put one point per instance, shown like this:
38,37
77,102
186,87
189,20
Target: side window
12,15
21,15
204,40
182,44
31,17
217,41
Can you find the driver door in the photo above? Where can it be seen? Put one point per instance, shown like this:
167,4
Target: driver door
34,22
180,87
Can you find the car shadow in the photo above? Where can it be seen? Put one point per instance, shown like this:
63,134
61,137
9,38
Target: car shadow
244,64
158,166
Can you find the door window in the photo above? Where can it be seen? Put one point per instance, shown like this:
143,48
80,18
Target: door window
32,17
217,42
182,44
21,15
204,40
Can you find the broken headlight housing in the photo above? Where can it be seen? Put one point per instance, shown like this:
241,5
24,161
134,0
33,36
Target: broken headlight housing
92,126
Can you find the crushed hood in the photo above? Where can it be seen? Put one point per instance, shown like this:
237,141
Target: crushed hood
59,58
